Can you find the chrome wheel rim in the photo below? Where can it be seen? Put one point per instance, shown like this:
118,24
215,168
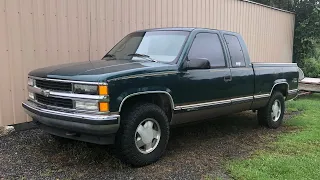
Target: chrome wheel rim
276,110
147,136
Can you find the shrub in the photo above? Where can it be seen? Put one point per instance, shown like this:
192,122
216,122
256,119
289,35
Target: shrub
311,68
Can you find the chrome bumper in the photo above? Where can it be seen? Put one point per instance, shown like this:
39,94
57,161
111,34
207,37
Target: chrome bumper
73,122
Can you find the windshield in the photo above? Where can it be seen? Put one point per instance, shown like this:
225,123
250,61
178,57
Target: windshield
163,46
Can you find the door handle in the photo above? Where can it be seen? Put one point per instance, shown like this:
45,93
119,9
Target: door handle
227,78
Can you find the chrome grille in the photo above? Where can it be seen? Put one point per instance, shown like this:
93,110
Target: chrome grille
54,85
52,101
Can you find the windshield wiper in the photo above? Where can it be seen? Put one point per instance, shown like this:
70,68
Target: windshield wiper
143,56
109,55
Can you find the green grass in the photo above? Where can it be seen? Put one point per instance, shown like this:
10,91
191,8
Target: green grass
295,155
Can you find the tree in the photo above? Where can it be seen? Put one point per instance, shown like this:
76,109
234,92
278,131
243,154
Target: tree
307,30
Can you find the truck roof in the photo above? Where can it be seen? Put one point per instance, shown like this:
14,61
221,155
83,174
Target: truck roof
180,29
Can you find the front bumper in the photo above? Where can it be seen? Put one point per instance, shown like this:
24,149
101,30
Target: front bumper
99,129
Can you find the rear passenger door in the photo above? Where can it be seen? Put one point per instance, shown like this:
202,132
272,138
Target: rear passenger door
242,74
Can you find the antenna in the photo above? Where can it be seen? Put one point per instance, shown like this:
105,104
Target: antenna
90,36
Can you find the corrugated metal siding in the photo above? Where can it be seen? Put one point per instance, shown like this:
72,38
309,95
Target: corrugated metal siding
38,33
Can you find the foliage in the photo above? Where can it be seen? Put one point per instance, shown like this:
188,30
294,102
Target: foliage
307,30
294,155
317,51
311,67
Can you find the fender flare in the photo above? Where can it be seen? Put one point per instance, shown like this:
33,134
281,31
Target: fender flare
146,92
279,83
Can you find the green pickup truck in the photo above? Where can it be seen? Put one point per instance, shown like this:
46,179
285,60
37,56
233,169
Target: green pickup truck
153,79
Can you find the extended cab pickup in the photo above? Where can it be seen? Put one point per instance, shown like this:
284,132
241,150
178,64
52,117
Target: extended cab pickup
153,79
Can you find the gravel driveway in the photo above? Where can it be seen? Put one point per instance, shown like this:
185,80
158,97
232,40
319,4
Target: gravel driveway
195,151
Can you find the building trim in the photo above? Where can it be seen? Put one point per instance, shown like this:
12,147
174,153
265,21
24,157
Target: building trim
278,9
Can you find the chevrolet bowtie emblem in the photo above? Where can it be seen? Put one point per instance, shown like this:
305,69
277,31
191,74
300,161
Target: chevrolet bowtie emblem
46,93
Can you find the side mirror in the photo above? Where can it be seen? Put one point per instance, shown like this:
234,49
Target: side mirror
197,63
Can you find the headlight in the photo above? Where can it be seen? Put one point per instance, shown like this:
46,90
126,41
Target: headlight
85,105
85,89
90,89
31,82
92,106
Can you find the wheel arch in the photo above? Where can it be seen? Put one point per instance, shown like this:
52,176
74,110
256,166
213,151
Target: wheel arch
281,86
160,98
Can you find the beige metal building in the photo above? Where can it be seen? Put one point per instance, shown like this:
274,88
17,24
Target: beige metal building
38,33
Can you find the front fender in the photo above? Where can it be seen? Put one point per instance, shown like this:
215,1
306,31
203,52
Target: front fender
126,95
117,102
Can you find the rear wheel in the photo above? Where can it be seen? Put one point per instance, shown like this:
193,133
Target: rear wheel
143,135
272,115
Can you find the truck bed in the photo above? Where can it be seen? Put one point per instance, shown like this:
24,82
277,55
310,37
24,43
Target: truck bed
268,75
274,64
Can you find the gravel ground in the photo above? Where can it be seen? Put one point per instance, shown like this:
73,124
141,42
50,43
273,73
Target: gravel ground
195,151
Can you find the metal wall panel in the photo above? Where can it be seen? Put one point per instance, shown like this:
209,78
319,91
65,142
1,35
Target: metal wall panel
39,33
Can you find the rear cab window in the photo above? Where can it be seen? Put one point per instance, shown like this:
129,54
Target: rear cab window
235,51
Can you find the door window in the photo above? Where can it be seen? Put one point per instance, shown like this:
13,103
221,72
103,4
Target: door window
208,46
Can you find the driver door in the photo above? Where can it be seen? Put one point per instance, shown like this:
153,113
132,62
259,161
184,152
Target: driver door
203,92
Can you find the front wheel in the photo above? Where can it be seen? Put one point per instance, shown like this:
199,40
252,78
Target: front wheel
272,114
143,135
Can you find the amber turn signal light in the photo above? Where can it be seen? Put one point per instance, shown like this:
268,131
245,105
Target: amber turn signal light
104,107
103,90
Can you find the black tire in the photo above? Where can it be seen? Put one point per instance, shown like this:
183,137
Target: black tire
125,139
264,114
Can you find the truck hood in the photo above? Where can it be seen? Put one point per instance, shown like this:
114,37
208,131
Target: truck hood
97,70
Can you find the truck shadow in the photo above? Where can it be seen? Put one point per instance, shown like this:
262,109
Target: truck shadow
227,135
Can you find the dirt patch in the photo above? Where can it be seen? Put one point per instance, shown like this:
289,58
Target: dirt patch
194,151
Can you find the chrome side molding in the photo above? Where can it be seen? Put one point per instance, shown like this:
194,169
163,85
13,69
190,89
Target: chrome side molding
242,99
259,96
198,105
213,103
